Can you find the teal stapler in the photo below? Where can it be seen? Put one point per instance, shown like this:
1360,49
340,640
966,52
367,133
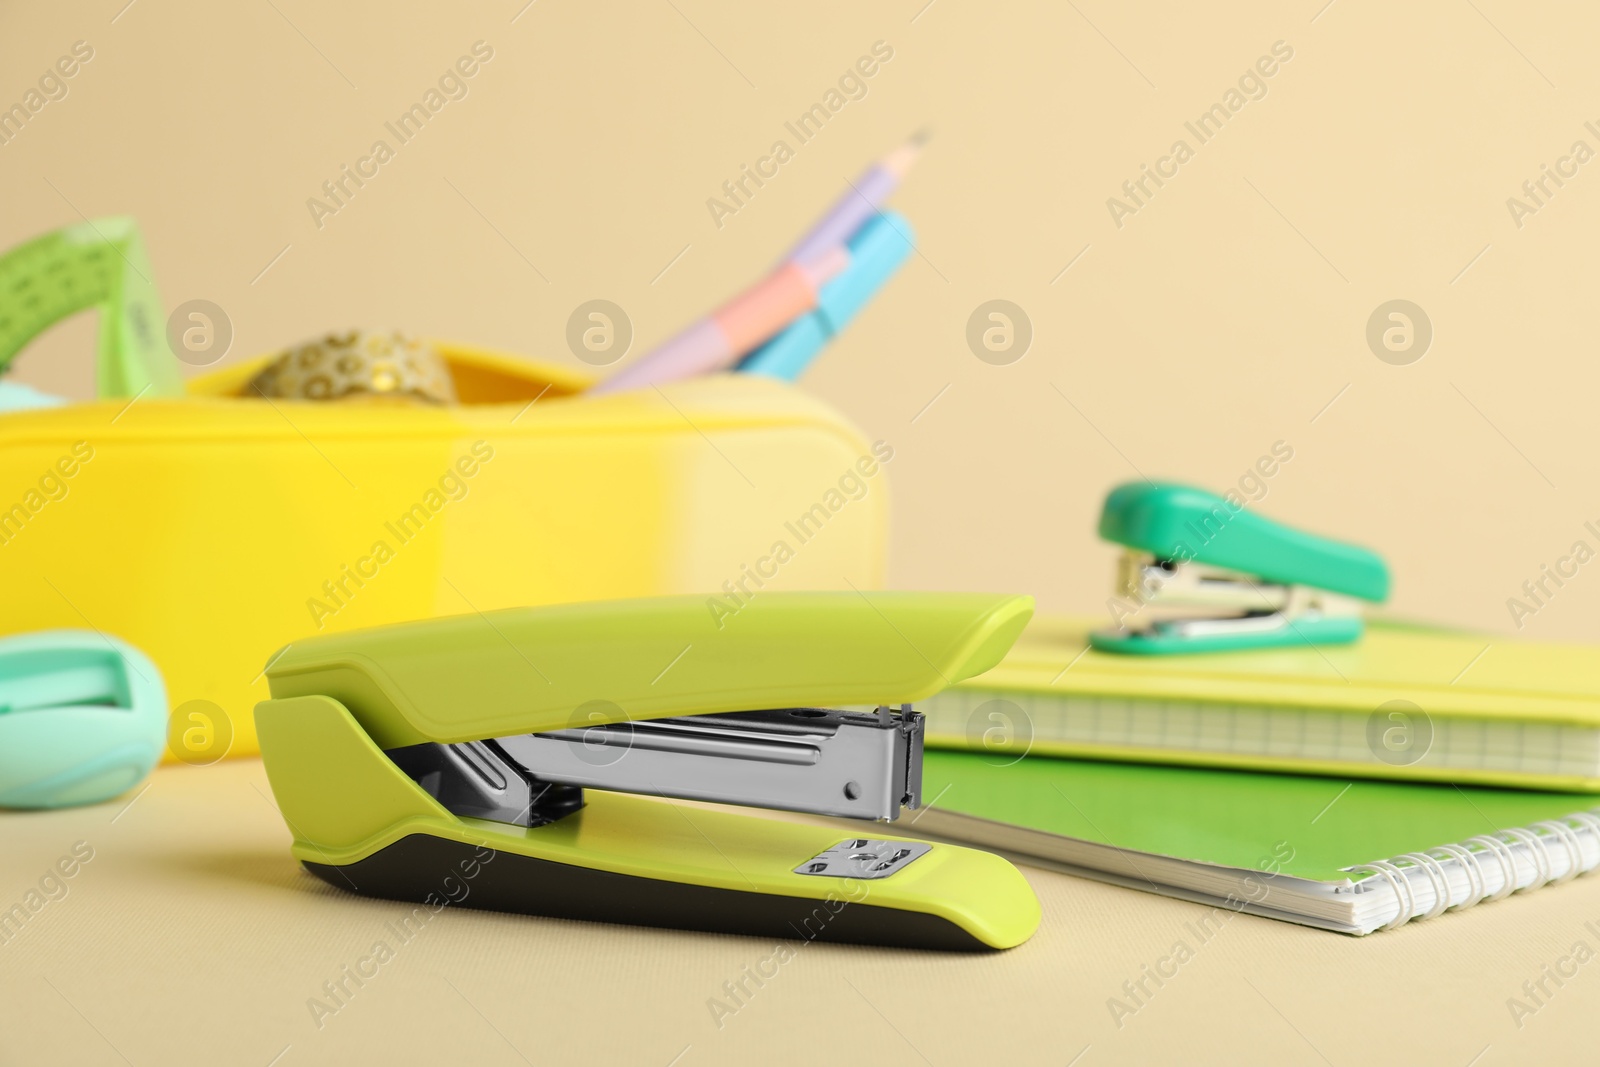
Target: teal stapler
1204,573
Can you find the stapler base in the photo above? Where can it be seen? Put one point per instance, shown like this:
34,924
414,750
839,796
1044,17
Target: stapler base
361,823
1167,639
508,881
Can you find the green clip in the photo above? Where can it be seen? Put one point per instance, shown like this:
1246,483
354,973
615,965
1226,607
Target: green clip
1270,584
100,264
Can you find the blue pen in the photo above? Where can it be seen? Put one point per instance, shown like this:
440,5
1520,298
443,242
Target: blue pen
876,252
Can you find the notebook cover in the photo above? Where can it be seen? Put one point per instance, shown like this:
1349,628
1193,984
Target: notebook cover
1444,673
1306,826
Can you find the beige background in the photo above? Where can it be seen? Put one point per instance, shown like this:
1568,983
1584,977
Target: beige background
1226,315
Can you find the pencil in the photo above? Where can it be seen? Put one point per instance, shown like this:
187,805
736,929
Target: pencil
856,207
743,323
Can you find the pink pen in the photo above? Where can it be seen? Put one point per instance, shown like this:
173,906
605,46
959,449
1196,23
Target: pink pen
737,327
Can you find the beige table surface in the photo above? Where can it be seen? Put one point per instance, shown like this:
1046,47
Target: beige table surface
191,936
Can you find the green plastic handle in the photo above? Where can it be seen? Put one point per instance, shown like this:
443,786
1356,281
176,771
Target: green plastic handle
1181,523
529,670
100,264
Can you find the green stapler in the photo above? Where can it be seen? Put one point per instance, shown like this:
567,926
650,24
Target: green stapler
457,752
1237,580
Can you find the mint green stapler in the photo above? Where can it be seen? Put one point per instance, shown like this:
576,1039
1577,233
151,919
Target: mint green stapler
1238,580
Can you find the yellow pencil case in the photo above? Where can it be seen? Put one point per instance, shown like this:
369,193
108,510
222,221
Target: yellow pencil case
210,529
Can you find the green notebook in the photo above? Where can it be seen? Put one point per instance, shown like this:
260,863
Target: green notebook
1404,702
1340,855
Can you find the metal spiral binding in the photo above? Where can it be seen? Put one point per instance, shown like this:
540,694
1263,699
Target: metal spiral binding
1438,862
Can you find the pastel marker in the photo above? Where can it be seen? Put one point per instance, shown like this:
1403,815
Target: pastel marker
875,254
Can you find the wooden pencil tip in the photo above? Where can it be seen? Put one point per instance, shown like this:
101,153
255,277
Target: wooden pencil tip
901,159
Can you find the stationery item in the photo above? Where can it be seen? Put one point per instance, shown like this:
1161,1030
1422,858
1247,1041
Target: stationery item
1405,703
359,365
1351,857
1192,549
738,326
876,252
858,204
280,518
298,516
514,744
83,718
102,265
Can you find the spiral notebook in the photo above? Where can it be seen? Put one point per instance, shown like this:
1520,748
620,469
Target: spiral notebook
1349,856
1404,702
